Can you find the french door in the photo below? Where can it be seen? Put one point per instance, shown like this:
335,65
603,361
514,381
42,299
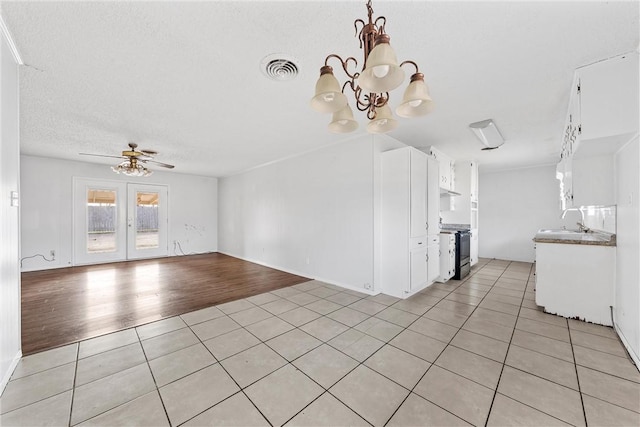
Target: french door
116,221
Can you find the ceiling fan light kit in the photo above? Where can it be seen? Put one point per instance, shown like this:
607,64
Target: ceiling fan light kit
371,86
134,161
131,168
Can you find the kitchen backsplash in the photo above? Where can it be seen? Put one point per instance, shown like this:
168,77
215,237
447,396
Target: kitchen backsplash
601,218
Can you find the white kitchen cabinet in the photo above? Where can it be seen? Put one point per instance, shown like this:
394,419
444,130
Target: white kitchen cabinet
406,253
419,268
603,113
609,97
418,196
447,175
433,197
433,258
576,280
467,203
473,247
447,257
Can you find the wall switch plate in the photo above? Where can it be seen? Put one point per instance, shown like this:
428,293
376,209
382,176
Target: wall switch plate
15,201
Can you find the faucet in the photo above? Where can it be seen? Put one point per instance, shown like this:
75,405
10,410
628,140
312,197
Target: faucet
580,224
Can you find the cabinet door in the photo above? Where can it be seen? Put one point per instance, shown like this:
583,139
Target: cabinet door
452,260
433,262
419,272
433,197
474,182
418,194
473,252
444,171
452,175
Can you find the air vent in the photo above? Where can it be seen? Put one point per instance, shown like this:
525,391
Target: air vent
279,67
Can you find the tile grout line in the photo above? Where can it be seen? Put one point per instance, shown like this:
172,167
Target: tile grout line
495,393
157,390
241,389
575,367
73,386
411,391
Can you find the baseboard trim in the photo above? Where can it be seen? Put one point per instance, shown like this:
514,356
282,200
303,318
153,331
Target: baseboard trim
299,273
634,357
12,367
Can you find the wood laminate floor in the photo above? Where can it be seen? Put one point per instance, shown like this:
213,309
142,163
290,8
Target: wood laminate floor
71,304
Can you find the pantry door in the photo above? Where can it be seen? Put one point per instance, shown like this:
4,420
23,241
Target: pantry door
116,221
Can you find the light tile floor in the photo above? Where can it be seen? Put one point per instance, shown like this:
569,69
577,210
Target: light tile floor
477,351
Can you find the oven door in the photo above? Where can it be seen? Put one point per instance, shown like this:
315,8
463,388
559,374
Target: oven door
465,247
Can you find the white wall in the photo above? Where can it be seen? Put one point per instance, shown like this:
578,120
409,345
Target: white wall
512,206
627,289
47,203
10,346
311,214
593,180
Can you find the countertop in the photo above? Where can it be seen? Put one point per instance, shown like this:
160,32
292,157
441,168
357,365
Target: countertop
599,238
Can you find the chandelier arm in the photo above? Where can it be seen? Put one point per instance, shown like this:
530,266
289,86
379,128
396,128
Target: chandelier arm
359,32
382,99
411,63
345,64
380,27
360,104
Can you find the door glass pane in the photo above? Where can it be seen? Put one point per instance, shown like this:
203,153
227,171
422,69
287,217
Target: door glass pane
101,220
147,220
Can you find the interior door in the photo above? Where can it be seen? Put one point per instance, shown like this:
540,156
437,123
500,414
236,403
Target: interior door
147,211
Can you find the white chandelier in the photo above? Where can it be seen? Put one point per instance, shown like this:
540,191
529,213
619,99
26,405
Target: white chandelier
381,74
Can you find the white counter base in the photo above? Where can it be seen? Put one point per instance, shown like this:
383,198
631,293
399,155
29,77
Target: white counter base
576,281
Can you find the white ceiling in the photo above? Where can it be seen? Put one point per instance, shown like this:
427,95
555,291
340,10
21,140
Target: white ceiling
184,78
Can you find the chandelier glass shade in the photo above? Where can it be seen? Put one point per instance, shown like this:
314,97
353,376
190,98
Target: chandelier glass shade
371,86
131,168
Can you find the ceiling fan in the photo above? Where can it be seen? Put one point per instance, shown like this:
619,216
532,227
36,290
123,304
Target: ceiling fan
134,161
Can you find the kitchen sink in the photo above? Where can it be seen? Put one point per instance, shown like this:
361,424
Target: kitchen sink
559,233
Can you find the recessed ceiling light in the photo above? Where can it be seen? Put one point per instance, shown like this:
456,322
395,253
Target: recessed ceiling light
279,67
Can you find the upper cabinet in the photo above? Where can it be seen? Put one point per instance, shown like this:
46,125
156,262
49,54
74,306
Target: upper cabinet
447,174
609,97
603,113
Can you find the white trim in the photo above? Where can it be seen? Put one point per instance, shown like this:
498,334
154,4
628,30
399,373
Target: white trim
298,273
10,42
12,367
635,357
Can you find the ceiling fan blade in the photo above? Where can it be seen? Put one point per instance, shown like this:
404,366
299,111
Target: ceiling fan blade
164,165
149,153
103,155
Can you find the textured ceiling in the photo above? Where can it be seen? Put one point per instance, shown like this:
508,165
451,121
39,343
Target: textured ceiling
184,79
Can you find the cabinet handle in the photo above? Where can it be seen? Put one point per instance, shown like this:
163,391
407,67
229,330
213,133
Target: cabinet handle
427,257
419,243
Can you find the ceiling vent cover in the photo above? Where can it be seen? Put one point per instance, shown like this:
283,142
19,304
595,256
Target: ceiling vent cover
279,67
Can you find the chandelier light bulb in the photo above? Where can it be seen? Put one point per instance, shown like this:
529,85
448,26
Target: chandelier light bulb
381,71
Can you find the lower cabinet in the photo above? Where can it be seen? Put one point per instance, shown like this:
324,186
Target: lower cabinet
433,259
473,252
447,257
419,267
576,281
